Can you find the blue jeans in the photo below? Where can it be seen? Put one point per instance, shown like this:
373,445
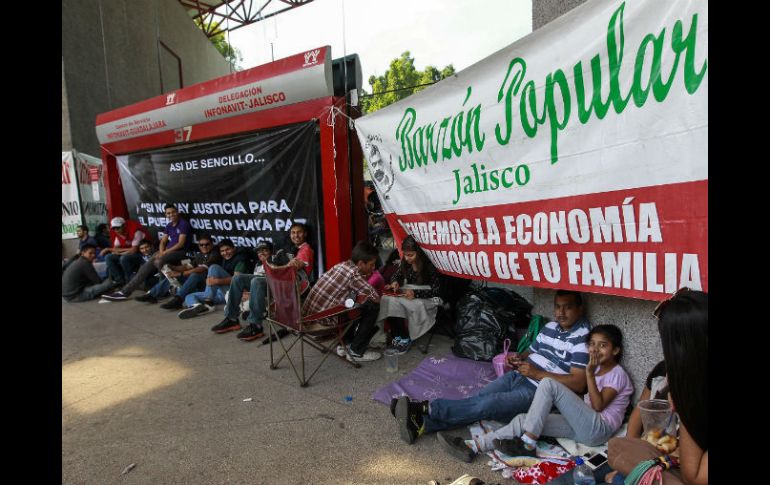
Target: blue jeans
191,283
501,400
213,293
576,419
151,267
257,286
120,267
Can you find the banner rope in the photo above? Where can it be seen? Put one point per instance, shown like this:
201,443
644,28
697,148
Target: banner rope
331,115
330,122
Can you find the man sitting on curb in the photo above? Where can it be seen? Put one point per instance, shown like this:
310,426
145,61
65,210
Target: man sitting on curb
346,280
83,239
123,258
192,279
80,281
217,282
102,238
146,250
559,352
301,253
255,284
173,246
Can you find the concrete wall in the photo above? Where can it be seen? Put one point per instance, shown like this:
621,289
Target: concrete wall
543,11
112,57
634,317
66,134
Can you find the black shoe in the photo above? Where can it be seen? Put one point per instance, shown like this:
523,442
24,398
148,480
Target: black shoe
251,332
455,446
226,325
409,417
514,447
195,310
173,304
393,406
147,298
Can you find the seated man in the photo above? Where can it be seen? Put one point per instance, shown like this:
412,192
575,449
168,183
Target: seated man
218,280
123,257
559,352
83,239
346,280
146,250
255,284
301,257
80,281
173,246
192,279
102,237
301,253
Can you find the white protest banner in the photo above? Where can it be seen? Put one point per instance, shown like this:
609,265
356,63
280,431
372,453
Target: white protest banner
575,158
70,204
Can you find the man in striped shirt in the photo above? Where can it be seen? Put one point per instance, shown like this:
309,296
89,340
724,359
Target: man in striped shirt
559,352
348,280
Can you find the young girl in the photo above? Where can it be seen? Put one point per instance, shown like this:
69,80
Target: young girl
591,420
417,306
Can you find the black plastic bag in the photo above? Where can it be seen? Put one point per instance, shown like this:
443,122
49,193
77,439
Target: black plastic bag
511,308
485,317
478,331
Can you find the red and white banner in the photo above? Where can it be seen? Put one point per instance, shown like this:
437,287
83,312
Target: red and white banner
70,203
93,195
575,158
300,77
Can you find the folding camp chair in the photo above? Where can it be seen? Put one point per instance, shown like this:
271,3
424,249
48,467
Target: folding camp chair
284,313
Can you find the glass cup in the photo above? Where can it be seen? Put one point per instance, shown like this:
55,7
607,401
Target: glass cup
659,424
391,360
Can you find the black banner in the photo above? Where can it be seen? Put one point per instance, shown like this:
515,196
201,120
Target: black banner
249,189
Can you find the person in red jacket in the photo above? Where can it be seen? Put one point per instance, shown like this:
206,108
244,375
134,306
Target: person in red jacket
124,258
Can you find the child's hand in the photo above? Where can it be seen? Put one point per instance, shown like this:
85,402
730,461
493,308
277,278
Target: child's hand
593,361
409,294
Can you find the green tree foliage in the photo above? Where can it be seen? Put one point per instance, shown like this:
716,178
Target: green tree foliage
231,54
399,81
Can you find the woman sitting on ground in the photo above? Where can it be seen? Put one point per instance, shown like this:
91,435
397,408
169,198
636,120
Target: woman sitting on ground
418,306
683,327
591,419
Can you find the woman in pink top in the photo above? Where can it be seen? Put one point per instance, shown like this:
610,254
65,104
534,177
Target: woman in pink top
591,420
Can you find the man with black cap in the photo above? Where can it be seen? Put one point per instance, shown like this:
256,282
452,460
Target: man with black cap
257,287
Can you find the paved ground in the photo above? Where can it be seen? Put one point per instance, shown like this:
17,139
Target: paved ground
141,386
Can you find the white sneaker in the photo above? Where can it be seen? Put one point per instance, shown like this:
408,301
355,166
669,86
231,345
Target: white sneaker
367,356
341,350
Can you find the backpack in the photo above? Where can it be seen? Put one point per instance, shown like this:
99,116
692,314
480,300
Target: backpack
249,257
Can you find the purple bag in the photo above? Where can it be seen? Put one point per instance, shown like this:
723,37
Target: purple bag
499,361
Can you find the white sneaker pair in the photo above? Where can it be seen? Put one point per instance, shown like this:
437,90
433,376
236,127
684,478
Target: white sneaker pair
367,356
195,310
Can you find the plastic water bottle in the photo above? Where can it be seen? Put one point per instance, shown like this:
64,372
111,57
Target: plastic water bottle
171,279
582,474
